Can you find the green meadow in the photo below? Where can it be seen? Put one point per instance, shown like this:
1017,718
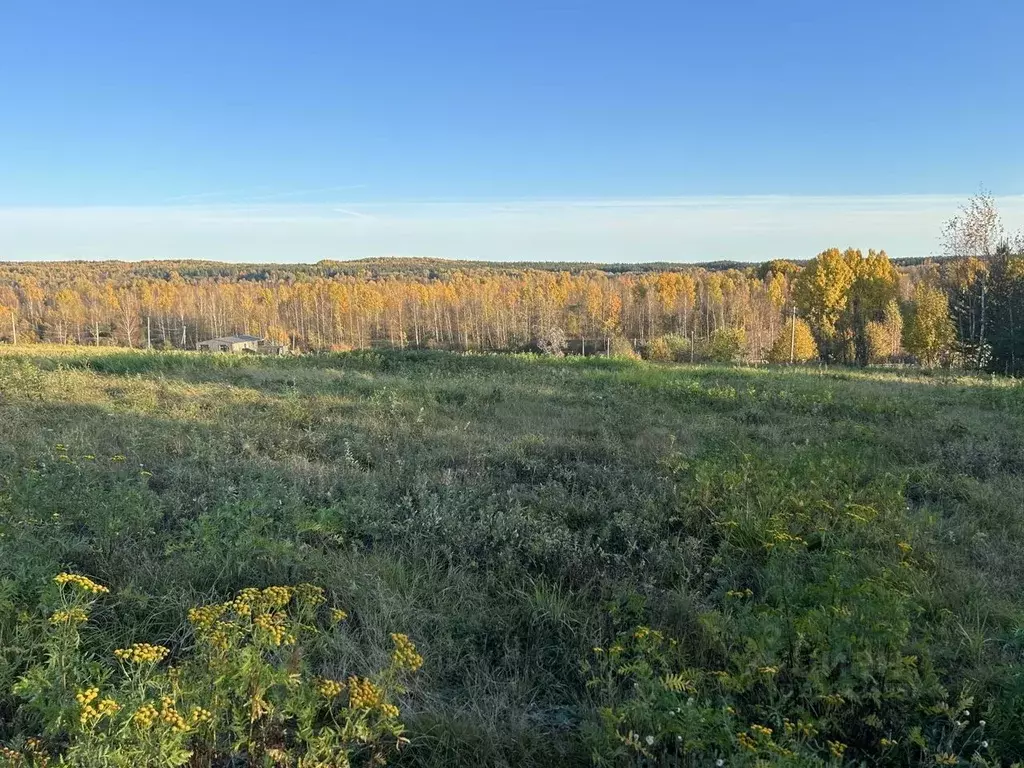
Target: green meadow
601,561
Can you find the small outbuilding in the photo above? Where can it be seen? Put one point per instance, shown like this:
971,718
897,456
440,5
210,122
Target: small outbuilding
232,344
270,348
242,344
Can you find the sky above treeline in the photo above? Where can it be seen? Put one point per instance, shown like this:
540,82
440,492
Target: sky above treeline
597,131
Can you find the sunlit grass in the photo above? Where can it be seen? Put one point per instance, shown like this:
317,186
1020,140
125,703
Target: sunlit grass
512,513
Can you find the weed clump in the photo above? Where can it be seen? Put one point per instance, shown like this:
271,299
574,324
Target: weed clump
243,691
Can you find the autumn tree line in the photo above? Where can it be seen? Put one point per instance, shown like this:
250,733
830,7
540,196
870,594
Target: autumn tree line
964,310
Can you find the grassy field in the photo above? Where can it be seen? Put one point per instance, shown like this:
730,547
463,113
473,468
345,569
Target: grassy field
600,561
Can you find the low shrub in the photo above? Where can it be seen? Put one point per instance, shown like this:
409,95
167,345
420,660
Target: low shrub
243,692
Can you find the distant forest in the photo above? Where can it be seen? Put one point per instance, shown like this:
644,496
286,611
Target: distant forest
963,309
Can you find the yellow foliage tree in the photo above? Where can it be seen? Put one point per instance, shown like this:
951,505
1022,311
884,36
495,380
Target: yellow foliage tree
822,292
658,350
795,343
879,345
929,332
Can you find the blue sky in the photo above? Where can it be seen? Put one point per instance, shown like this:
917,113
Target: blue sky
584,130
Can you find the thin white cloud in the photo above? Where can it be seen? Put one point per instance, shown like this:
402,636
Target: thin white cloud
624,230
356,214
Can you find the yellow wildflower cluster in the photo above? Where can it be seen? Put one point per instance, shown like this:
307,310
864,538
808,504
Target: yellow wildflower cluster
242,604
338,615
770,671
761,740
252,600
946,758
783,537
836,749
218,623
405,655
12,755
364,694
69,616
330,689
904,547
274,624
93,712
644,633
145,716
142,653
221,636
746,741
83,583
204,617
170,715
309,594
207,622
737,593
801,728
389,710
35,754
886,743
148,715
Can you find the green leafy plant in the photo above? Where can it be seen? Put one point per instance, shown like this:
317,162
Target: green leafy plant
244,693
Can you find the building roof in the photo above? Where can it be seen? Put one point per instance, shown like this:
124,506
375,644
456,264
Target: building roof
232,339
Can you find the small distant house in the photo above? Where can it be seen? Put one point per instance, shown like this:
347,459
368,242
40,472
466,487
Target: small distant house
242,344
233,344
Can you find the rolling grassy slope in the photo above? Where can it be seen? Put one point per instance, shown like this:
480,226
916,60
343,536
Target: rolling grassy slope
600,560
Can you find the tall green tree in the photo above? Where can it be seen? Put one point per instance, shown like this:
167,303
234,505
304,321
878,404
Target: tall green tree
1006,312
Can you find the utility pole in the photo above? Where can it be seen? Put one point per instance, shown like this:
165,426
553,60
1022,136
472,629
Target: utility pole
792,337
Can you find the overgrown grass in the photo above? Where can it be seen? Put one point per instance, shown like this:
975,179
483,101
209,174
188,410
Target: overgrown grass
856,534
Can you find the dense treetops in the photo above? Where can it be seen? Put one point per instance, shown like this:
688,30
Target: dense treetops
858,308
